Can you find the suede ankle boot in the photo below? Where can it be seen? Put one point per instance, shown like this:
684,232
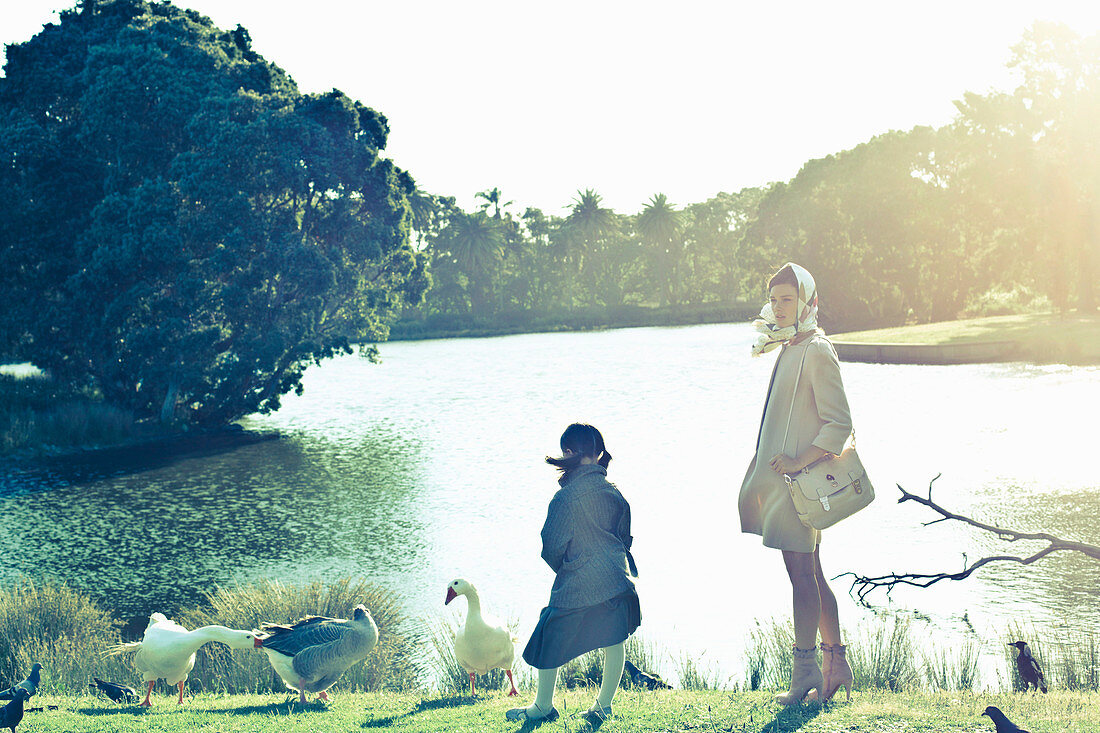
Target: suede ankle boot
805,676
837,671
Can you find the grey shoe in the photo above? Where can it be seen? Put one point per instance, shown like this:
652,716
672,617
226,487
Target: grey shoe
598,712
520,714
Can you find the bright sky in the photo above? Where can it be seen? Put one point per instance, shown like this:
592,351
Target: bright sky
629,98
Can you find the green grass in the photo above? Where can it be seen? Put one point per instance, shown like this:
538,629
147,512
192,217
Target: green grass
635,711
1041,337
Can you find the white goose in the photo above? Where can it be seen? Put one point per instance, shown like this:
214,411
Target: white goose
312,654
168,650
482,644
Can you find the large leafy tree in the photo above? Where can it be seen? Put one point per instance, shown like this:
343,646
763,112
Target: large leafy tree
1034,159
184,230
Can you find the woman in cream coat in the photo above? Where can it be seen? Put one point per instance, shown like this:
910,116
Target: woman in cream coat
804,419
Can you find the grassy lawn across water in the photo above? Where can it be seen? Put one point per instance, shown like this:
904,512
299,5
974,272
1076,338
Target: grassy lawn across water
635,710
1040,337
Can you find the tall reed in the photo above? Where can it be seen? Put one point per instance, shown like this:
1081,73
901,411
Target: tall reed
952,669
768,655
62,629
882,656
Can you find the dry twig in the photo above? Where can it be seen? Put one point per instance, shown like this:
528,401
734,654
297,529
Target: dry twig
863,585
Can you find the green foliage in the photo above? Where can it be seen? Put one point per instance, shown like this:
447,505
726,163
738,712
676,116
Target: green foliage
914,225
1003,300
184,230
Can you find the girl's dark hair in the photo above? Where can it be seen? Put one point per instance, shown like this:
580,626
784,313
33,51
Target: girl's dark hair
583,440
784,276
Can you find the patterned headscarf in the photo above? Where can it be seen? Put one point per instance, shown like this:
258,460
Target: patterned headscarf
770,335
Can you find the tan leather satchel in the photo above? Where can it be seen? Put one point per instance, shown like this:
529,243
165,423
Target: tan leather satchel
831,488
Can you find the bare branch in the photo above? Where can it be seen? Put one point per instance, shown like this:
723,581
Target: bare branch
863,585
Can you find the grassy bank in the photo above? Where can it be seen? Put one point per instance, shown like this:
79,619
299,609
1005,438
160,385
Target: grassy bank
39,416
635,711
445,325
1040,337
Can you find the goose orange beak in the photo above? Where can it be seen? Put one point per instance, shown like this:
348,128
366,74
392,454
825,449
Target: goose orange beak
451,595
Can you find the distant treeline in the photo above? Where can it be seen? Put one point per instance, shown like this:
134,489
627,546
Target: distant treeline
908,227
185,232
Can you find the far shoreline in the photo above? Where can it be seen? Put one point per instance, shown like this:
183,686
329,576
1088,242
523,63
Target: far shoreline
1039,338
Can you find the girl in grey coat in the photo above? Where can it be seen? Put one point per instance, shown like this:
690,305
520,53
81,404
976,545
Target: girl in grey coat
593,604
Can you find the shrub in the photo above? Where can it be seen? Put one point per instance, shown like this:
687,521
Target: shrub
1004,301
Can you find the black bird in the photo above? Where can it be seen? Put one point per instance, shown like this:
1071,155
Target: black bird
1003,724
30,684
645,679
115,691
1029,669
12,713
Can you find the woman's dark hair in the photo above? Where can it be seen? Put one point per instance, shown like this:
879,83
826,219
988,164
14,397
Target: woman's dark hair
784,276
582,440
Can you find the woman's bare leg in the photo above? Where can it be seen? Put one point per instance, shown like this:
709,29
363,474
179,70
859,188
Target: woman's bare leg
829,620
801,568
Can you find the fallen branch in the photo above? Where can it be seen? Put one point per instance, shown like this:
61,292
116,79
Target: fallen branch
863,585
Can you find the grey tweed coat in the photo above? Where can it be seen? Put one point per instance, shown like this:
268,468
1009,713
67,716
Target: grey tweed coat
586,540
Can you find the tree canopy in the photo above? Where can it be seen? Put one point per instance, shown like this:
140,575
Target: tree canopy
910,226
184,230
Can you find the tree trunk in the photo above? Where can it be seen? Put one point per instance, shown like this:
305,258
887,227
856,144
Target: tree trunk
168,409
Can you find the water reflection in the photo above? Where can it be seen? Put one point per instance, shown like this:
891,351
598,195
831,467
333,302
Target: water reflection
153,529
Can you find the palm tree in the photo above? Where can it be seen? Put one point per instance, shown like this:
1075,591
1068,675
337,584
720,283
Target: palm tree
425,209
596,249
659,223
492,198
589,221
475,242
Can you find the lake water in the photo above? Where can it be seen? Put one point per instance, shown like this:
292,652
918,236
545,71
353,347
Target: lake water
430,467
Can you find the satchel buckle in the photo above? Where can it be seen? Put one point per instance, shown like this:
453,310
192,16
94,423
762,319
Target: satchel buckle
824,501
858,486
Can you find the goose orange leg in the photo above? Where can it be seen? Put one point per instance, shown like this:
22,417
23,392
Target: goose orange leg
301,690
472,693
180,702
322,695
512,692
147,703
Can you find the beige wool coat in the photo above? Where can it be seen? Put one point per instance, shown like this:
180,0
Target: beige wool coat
820,417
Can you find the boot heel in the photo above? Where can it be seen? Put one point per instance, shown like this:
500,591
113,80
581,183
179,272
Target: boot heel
840,674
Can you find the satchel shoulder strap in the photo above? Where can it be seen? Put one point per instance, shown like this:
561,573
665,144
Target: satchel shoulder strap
794,392
789,414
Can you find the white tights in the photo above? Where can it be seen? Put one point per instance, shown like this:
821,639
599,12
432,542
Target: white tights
614,659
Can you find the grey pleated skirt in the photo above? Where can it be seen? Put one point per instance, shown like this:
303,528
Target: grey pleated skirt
566,633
